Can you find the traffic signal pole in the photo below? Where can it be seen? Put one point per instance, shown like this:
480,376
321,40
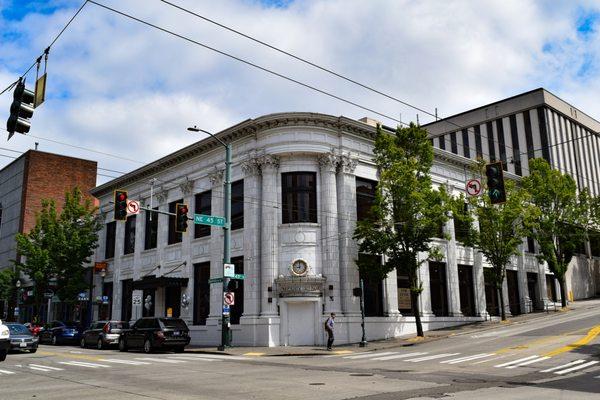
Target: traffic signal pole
226,246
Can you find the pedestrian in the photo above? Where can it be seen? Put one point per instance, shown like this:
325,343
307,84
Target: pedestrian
329,328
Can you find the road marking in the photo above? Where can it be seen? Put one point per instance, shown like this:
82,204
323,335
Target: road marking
528,362
255,354
83,364
564,366
515,361
468,358
215,356
129,362
591,335
73,356
40,369
397,356
2,371
436,356
488,360
45,367
335,352
370,355
189,358
162,360
582,366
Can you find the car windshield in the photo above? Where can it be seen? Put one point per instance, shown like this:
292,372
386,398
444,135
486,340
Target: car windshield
173,323
71,323
18,329
119,325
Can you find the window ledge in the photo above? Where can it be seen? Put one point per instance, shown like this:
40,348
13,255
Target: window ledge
201,239
128,255
147,251
169,246
301,225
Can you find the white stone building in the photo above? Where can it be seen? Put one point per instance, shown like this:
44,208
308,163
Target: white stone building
300,180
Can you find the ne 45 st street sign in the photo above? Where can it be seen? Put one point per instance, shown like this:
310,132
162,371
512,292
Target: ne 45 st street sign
213,220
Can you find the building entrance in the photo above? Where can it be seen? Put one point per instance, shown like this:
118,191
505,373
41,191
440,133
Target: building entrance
514,303
301,323
466,289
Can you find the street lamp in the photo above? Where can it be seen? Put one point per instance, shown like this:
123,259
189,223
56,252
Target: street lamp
17,310
226,233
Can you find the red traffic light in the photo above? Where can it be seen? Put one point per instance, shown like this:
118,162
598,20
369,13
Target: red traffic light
121,196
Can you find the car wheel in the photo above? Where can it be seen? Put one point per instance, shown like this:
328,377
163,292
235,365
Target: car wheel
33,350
54,341
82,343
2,355
99,344
179,349
122,345
147,346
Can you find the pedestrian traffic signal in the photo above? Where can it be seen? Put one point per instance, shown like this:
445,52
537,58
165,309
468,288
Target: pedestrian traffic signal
495,182
232,285
181,217
120,205
21,110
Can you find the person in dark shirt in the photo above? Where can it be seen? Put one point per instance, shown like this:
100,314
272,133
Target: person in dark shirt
329,329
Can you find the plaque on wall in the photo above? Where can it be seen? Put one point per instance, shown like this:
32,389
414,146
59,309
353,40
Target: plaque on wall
404,302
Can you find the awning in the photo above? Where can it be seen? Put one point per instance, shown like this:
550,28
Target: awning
152,282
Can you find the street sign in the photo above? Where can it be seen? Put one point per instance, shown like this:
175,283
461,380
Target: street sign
239,276
213,220
225,310
133,207
228,270
473,187
215,280
229,298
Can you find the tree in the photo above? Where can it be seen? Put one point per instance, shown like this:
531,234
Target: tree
407,211
8,278
560,219
501,229
59,246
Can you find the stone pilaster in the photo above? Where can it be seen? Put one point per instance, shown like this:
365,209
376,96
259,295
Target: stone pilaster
479,281
505,296
542,285
252,216
526,304
187,190
452,272
348,251
329,231
425,296
269,232
216,243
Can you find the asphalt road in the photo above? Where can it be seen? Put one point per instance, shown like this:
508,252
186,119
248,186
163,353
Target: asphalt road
553,357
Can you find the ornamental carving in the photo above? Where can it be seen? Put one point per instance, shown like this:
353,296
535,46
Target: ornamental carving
216,177
347,163
328,162
300,286
251,167
187,186
161,196
269,161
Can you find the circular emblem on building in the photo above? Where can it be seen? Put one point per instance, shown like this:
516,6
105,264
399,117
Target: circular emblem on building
299,267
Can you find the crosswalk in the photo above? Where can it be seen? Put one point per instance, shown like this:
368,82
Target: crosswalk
500,361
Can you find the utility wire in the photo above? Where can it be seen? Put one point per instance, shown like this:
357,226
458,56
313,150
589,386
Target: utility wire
264,69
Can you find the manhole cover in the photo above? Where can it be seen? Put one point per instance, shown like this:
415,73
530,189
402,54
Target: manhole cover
361,374
316,383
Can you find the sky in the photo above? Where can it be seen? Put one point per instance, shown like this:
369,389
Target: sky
123,94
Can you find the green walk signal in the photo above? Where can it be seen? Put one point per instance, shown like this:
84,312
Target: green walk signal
495,182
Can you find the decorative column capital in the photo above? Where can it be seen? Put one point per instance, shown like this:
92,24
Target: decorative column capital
161,196
251,166
268,161
328,162
216,177
186,186
347,163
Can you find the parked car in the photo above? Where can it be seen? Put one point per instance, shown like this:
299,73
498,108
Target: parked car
103,334
4,341
21,338
149,334
59,332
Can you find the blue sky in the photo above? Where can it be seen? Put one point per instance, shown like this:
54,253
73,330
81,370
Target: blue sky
122,88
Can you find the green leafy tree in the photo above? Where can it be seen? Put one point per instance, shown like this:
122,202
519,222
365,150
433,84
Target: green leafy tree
59,246
501,229
8,278
561,217
407,211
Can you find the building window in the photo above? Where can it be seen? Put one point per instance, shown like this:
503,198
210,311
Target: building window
201,293
478,144
111,231
595,243
299,197
453,143
461,227
466,147
203,206
530,245
438,290
237,309
365,197
151,233
237,205
373,290
129,244
126,299
174,237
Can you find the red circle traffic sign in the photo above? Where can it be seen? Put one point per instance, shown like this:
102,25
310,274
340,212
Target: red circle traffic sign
229,298
473,187
133,207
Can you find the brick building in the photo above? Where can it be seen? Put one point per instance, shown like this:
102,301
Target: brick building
34,176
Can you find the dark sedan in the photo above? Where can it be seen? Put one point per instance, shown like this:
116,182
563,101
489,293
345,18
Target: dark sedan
21,338
149,334
61,333
103,334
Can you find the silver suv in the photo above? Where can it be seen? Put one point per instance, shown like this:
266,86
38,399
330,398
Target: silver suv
4,341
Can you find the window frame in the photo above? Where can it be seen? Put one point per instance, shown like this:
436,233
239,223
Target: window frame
151,230
237,205
110,240
202,205
291,213
129,236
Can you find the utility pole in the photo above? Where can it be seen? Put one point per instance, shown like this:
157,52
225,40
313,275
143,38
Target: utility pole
225,339
363,340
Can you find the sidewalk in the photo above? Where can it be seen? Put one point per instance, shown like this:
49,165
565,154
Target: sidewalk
390,343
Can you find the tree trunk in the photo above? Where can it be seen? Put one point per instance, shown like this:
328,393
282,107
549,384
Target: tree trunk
502,310
563,292
414,300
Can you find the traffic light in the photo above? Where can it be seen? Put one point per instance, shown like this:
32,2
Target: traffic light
495,182
21,110
181,217
120,205
233,285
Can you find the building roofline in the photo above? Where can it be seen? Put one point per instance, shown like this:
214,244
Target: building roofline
31,151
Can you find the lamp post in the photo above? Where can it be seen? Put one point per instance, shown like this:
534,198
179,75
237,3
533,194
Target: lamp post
226,233
17,311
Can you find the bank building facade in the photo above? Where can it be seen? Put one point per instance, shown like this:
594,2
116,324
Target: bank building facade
300,181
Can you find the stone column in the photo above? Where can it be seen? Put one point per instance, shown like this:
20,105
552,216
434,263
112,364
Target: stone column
187,190
425,296
522,279
505,296
348,250
542,286
252,216
479,280
329,231
269,236
216,244
452,272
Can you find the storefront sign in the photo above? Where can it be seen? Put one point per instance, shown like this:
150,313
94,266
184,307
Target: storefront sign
404,302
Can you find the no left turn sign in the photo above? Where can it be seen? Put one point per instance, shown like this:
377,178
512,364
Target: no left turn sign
229,298
133,207
473,187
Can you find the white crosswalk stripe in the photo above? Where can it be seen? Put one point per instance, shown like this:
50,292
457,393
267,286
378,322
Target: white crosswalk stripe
160,360
577,368
564,366
127,362
191,359
214,356
535,360
434,357
467,358
399,356
488,360
515,361
2,371
46,367
385,353
83,364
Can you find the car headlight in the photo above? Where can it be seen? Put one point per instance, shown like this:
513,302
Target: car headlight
4,332
35,338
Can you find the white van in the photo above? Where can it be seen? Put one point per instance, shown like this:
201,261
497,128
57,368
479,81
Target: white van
4,341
